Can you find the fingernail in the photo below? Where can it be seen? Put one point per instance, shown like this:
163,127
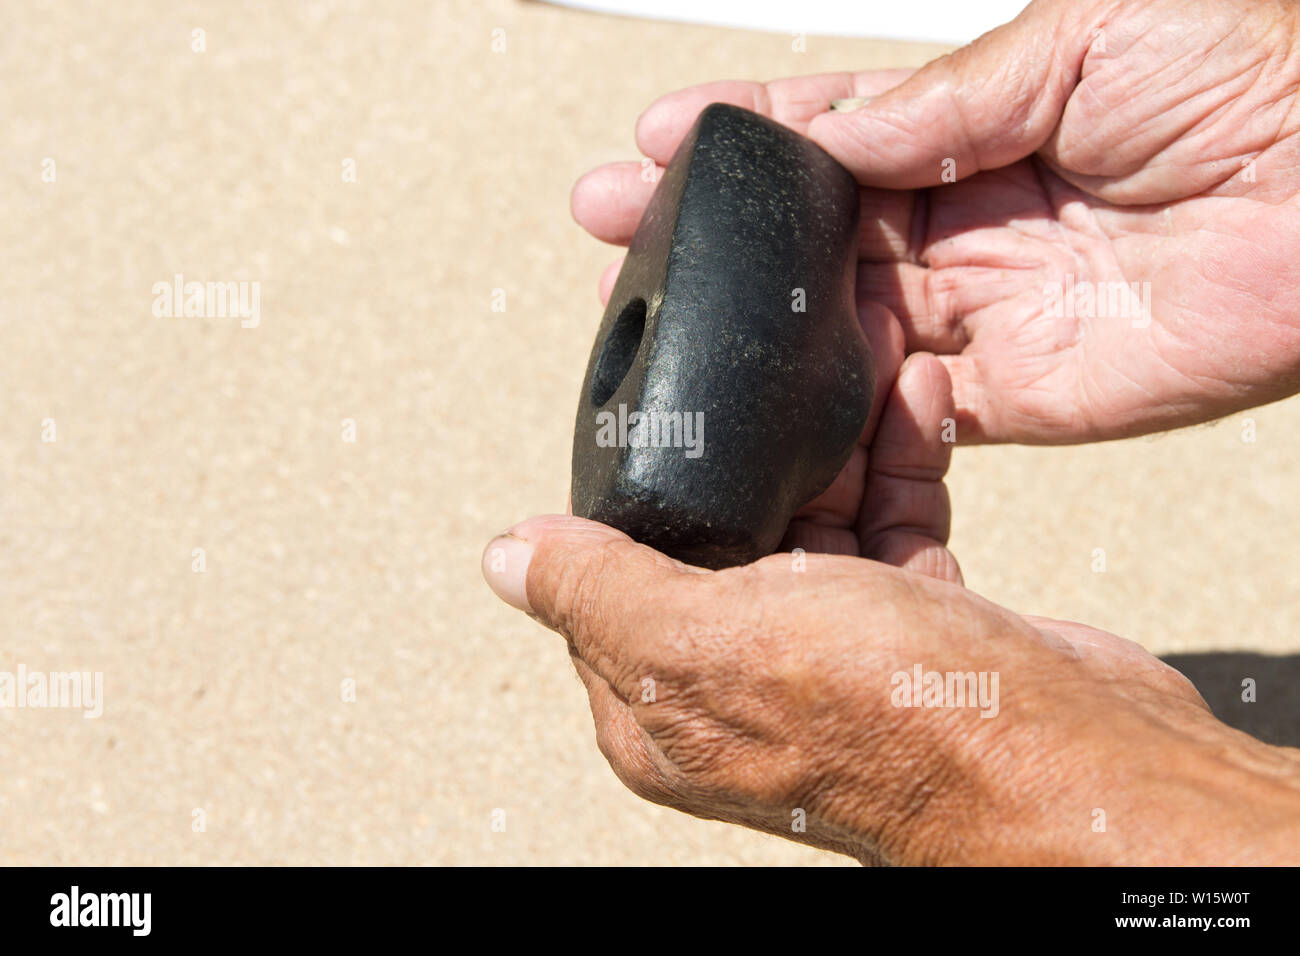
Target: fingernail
848,104
505,568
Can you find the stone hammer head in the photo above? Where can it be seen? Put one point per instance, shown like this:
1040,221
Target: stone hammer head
730,377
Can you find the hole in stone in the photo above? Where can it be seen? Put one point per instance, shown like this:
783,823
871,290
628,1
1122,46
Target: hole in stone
617,353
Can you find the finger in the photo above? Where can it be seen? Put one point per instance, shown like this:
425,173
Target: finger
906,512
888,225
910,442
793,101
925,304
935,306
978,418
885,335
816,538
596,586
984,106
605,288
609,200
838,505
919,553
835,508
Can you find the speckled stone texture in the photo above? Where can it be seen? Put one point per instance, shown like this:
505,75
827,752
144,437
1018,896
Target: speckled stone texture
732,332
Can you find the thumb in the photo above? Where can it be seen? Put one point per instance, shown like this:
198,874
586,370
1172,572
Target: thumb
594,585
984,106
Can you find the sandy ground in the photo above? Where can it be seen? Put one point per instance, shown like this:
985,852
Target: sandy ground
327,563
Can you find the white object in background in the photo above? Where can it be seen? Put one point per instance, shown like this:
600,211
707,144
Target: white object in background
942,21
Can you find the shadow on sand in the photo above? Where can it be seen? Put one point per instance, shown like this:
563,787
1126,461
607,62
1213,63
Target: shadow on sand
1274,716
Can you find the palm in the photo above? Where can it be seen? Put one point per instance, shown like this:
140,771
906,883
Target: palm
1169,156
1010,258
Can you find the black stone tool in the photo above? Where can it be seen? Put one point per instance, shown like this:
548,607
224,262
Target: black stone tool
730,378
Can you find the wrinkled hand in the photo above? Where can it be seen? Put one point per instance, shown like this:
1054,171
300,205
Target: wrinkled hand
1094,143
766,696
1100,141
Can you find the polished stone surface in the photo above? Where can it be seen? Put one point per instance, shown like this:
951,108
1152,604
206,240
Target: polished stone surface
732,340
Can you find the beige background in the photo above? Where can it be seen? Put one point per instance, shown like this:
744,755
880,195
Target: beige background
329,561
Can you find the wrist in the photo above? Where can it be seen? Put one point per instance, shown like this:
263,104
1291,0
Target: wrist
1135,792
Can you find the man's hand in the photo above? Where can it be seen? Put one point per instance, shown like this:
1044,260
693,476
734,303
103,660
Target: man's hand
768,696
1097,145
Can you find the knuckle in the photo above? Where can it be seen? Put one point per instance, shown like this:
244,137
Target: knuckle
597,608
688,634
694,745
722,764
580,590
627,758
614,605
